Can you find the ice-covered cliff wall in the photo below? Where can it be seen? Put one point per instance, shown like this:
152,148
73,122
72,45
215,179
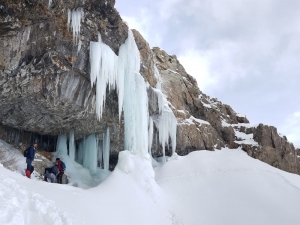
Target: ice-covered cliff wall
46,88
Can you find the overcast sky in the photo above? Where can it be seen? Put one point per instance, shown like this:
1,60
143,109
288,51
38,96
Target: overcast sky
245,53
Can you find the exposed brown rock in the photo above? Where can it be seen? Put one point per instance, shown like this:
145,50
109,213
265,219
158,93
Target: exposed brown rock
147,61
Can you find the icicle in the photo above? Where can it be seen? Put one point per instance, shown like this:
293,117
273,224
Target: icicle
90,150
69,18
72,144
135,114
106,149
100,153
150,135
80,153
79,46
74,19
123,71
26,34
103,63
166,123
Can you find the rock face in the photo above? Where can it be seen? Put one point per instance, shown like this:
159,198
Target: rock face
44,73
45,87
199,117
274,149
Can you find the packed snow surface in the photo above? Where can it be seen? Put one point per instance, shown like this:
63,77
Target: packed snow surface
229,187
224,187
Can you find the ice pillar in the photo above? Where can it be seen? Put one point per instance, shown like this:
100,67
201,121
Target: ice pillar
72,144
61,145
106,149
90,150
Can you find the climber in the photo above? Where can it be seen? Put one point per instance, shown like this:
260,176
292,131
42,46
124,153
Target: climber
51,173
29,158
61,167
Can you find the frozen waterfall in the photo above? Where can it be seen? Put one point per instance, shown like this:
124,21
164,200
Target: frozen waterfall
166,122
121,73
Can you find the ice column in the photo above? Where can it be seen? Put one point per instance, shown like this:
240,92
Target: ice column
74,20
108,69
80,150
90,150
106,149
61,146
166,123
150,135
72,145
79,46
135,99
100,153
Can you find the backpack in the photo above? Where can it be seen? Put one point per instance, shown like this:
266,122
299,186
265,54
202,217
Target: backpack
63,165
26,152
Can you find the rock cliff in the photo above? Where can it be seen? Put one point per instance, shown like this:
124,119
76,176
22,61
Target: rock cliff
45,87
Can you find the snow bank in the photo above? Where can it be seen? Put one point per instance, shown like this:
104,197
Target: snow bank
229,187
21,204
129,195
204,187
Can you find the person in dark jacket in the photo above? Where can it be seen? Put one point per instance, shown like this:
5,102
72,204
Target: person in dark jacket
51,173
29,159
61,170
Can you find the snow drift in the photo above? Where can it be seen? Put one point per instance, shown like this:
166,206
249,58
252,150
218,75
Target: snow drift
204,187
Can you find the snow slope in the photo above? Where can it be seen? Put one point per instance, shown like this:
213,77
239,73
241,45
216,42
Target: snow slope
221,187
229,187
129,195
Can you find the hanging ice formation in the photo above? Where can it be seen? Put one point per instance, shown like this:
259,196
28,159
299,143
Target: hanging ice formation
121,72
61,146
79,46
166,122
150,135
72,145
74,20
103,71
109,69
106,149
90,151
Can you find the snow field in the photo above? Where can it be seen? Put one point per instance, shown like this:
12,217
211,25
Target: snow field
20,205
223,187
229,187
129,195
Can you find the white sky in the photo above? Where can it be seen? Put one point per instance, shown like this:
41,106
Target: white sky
245,53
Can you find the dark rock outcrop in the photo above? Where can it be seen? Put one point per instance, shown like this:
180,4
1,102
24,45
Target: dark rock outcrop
44,79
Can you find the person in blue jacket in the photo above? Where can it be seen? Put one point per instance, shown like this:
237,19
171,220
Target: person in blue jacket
29,159
51,173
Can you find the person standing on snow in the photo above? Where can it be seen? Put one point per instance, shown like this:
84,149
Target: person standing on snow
29,159
61,170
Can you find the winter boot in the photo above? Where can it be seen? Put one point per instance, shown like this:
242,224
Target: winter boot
28,173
